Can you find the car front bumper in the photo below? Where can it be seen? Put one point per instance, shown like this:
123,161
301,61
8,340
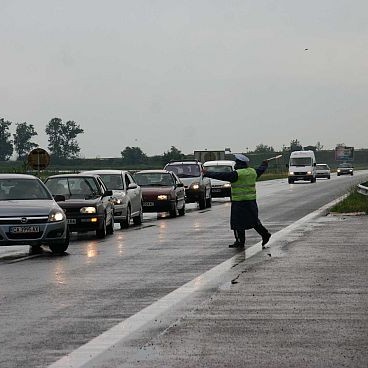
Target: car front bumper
158,206
50,232
85,222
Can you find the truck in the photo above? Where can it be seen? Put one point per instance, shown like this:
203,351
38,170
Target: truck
302,166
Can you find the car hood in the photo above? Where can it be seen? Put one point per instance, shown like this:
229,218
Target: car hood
188,181
26,208
218,182
156,190
79,202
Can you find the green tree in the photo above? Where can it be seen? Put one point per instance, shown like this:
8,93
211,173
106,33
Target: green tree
263,148
295,145
172,154
133,155
319,146
22,139
62,138
6,145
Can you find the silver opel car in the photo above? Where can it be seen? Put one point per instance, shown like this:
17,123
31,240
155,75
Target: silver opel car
29,215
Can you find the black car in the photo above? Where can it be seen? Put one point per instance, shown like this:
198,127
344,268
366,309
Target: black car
87,205
345,169
197,186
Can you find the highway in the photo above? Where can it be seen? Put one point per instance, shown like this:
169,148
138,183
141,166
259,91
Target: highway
51,305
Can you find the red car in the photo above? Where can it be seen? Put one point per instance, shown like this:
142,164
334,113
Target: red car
162,191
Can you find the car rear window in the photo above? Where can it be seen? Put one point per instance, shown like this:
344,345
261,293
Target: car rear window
184,170
219,168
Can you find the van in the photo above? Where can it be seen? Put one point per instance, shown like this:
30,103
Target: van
302,166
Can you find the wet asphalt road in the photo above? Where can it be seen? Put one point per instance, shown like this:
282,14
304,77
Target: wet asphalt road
51,305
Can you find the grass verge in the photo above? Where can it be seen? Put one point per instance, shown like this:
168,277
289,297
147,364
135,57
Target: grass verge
354,202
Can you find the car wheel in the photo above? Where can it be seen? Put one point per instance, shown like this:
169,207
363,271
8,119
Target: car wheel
137,220
101,231
110,228
182,210
209,202
125,223
290,181
61,247
174,211
329,177
202,202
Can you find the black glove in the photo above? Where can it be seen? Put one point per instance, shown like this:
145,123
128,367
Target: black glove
265,163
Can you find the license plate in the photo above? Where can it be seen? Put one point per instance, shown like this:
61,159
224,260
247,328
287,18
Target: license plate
71,221
215,190
148,204
24,229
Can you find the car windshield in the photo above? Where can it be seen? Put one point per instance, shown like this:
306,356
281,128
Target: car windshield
14,189
300,161
154,179
219,168
185,170
113,181
73,187
345,165
322,167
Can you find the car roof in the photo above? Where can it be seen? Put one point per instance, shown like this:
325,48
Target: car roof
102,171
17,176
188,162
219,163
73,176
158,171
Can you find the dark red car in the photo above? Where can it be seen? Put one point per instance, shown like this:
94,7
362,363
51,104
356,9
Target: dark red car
162,191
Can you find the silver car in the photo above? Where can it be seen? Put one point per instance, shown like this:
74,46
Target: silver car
323,171
127,195
29,215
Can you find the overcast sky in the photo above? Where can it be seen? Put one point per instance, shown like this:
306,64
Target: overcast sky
196,74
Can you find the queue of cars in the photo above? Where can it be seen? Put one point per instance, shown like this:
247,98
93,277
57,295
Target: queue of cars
36,213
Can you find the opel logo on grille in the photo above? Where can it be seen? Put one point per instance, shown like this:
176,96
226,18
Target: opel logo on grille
23,220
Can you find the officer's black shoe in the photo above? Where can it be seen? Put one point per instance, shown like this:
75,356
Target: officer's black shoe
236,245
265,239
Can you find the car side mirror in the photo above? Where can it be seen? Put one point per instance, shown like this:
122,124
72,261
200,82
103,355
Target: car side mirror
108,193
287,165
180,185
132,186
59,197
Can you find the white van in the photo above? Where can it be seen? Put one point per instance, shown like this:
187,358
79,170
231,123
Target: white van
302,166
220,188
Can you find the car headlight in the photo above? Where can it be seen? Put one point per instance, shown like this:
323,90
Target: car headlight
56,215
195,186
85,210
162,197
309,172
338,170
227,185
291,173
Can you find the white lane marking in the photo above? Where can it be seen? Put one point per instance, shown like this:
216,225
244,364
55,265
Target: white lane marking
86,353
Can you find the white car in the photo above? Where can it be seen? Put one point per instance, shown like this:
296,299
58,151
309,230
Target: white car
220,188
127,195
323,171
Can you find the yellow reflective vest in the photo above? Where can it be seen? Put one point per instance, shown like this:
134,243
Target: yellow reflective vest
244,189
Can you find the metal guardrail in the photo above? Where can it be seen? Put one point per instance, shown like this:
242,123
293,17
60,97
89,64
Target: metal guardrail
363,189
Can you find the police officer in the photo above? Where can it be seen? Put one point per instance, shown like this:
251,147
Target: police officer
244,209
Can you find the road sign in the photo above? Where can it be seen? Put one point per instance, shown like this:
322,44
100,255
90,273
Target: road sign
343,153
38,159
